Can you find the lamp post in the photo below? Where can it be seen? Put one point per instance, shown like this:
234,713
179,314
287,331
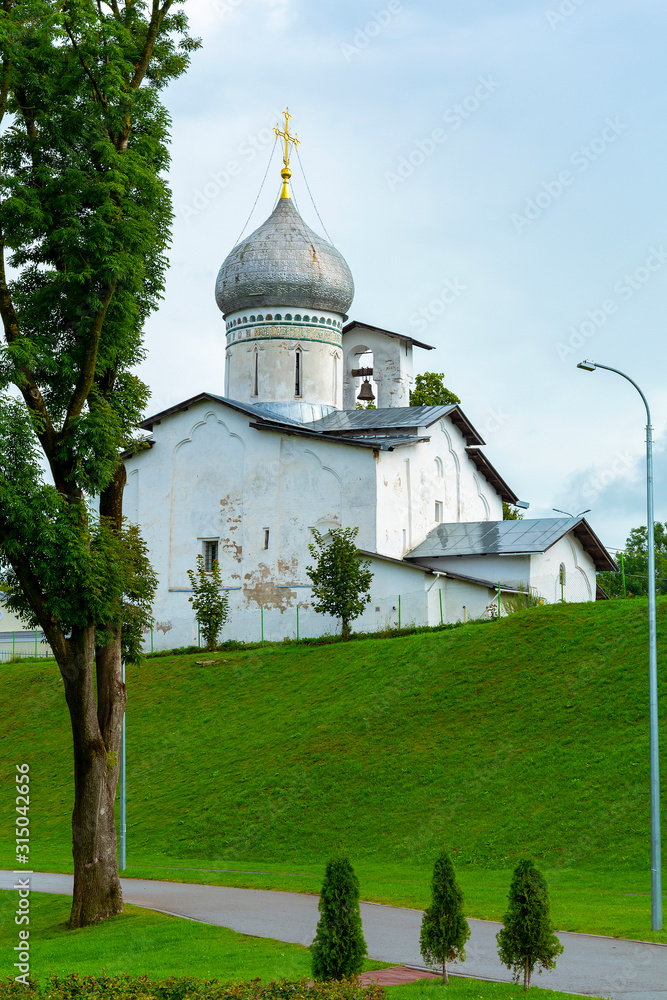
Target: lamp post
656,873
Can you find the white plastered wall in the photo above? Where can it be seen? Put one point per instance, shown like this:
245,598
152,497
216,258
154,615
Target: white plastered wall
392,367
210,476
411,479
580,580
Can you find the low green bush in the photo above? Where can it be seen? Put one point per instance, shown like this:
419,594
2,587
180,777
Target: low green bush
74,987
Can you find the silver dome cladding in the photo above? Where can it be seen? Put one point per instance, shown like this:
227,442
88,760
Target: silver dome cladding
284,262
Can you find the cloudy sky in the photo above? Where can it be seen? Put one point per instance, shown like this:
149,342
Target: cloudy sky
494,174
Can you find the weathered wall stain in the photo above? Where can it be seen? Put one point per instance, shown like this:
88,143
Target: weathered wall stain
260,589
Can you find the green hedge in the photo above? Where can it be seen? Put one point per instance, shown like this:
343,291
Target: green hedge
73,987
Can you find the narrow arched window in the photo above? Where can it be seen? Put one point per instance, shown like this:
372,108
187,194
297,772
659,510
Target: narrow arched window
255,373
297,372
561,574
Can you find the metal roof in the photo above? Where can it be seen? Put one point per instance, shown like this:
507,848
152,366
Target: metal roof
284,263
525,537
349,327
250,408
390,421
384,442
395,418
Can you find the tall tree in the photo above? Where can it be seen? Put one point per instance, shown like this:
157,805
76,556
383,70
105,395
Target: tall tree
430,390
633,580
528,937
444,929
84,225
341,578
339,946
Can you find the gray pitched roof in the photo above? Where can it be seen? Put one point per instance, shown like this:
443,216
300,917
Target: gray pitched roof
395,418
357,324
401,423
525,537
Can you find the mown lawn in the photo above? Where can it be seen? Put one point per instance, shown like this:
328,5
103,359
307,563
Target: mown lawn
142,942
527,736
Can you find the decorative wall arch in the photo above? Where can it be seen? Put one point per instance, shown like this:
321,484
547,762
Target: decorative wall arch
310,493
206,498
457,468
581,577
485,502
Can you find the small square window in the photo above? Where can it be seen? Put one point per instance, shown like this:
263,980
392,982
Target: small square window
438,511
210,555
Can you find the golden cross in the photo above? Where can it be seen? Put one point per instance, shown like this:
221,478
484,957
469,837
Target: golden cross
286,137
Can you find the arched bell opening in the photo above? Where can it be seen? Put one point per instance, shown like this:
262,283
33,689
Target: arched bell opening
361,391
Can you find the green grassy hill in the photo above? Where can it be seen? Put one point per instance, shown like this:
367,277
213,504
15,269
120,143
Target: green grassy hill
528,735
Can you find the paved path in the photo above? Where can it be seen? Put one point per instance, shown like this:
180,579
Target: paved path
598,966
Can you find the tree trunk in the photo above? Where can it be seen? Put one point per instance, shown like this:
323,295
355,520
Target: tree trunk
346,630
96,731
445,977
526,975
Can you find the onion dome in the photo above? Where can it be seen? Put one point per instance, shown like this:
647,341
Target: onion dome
284,263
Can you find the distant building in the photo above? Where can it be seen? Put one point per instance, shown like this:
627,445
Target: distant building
243,477
15,639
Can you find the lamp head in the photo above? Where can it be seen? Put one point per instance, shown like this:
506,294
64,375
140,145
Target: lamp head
588,366
524,504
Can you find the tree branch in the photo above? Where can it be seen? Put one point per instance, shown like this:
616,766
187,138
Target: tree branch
96,90
87,373
4,88
30,391
157,15
24,108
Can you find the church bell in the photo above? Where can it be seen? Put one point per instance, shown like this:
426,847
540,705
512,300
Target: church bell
366,392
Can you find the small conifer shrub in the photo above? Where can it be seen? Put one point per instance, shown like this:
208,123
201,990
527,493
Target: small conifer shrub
528,937
339,946
444,929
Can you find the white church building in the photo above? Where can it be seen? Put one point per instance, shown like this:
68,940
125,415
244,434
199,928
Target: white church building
245,475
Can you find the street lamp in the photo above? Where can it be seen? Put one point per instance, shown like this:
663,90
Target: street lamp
656,873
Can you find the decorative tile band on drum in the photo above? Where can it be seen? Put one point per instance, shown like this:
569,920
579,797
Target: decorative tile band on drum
285,331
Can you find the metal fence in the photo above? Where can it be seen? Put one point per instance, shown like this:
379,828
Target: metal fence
22,644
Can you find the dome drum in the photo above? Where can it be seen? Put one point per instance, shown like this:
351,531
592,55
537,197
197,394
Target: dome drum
285,322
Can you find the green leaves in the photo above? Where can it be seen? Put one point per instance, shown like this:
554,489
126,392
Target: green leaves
210,601
430,390
444,929
635,565
528,936
342,577
339,946
85,219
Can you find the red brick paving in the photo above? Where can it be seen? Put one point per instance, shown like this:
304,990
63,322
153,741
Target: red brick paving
395,976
